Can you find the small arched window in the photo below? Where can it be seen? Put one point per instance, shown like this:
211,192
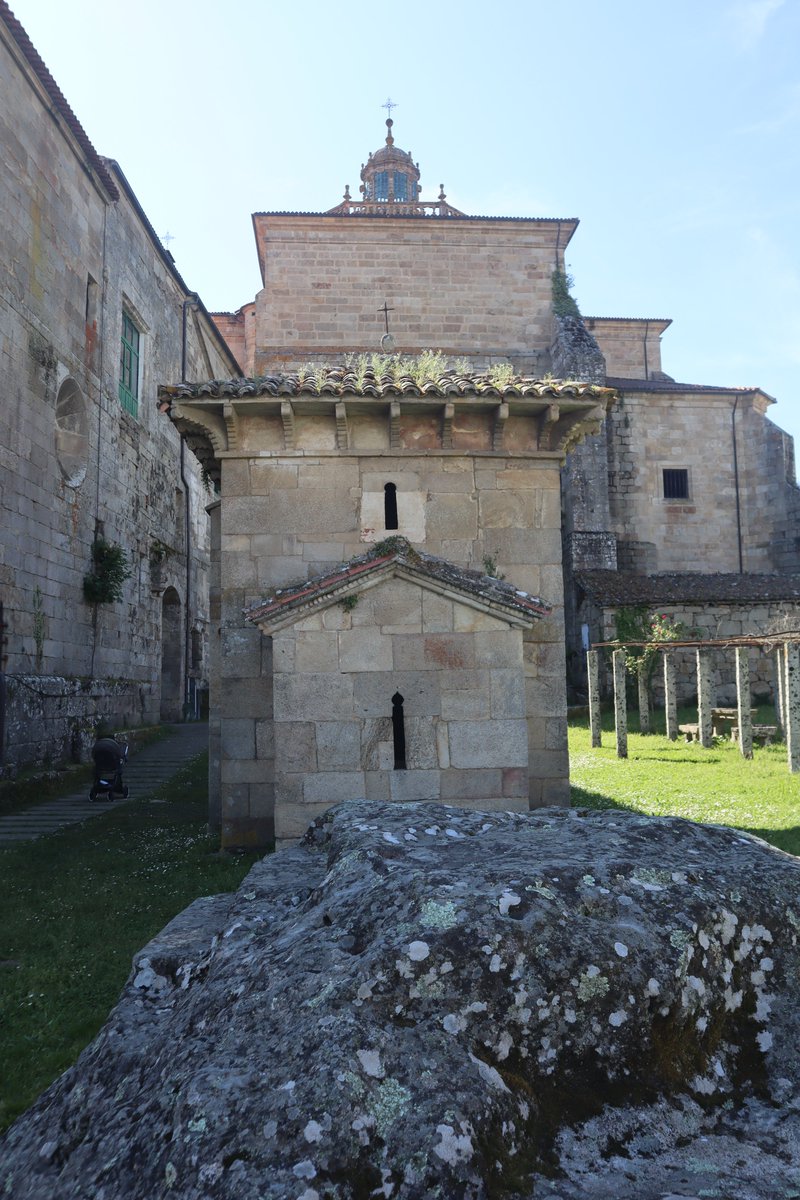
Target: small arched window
390,506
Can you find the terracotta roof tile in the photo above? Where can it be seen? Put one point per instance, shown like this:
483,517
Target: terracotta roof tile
336,381
670,385
494,593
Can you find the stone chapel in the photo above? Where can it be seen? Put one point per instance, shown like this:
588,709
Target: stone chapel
430,474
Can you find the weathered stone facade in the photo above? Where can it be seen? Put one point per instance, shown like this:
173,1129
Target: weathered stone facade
79,257
483,288
305,462
398,677
738,514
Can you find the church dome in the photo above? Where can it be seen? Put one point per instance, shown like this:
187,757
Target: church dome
390,174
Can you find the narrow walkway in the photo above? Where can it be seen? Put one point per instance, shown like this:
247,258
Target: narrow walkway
147,769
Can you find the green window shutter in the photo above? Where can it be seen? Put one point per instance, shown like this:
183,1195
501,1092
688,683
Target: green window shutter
129,366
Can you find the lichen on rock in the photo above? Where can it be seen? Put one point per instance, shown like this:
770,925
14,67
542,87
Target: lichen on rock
559,1003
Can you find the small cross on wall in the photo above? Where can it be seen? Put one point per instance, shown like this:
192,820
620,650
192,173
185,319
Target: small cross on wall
386,310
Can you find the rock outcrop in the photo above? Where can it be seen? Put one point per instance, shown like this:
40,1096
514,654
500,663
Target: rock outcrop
421,1001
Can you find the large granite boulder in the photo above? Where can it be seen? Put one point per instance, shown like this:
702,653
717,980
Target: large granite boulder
421,1001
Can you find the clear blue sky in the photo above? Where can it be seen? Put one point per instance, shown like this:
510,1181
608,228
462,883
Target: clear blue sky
670,130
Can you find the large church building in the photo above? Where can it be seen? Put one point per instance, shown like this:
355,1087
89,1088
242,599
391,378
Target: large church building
432,472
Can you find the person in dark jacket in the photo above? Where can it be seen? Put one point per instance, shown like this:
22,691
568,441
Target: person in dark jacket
108,756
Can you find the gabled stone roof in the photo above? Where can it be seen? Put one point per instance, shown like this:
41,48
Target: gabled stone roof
617,588
396,556
346,380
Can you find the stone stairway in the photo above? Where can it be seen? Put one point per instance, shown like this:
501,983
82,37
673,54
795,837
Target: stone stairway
146,770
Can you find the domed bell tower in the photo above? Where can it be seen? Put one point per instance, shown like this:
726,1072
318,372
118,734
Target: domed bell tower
390,175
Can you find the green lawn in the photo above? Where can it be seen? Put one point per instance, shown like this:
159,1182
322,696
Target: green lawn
666,778
76,906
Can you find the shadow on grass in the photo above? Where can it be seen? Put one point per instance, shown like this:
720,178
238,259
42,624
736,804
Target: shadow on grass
583,798
783,839
709,758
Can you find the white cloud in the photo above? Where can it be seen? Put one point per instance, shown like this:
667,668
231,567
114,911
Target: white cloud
749,19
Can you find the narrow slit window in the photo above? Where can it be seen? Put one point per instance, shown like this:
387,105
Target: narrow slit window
399,732
390,506
676,483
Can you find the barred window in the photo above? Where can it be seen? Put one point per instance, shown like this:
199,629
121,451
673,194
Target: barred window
676,483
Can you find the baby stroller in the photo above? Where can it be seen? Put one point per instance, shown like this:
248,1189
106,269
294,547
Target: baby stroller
109,756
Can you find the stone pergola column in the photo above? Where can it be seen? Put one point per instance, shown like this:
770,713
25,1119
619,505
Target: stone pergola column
791,704
780,687
670,697
705,699
593,673
620,705
644,702
743,701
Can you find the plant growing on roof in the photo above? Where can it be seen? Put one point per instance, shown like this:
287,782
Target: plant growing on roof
564,303
500,374
103,584
490,567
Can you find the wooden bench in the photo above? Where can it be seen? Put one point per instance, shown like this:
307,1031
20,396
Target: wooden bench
761,733
690,732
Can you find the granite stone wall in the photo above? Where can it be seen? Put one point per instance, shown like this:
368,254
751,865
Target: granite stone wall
464,286
741,510
460,675
288,517
75,464
713,621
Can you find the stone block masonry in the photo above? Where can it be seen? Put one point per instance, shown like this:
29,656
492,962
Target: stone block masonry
452,288
453,666
77,253
464,726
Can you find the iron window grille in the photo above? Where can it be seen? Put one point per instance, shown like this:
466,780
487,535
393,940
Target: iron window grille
676,483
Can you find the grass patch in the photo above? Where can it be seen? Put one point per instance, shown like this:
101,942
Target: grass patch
680,779
74,908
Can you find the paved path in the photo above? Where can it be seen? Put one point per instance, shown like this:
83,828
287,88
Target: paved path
147,769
